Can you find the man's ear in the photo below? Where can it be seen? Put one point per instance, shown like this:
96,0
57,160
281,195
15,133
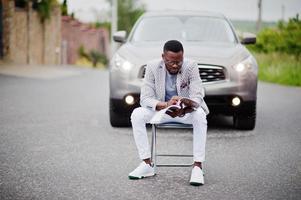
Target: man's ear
162,55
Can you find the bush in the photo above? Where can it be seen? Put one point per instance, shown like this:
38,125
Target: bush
82,52
96,57
128,13
285,38
93,56
64,8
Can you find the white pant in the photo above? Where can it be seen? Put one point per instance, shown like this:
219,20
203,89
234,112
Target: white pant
141,116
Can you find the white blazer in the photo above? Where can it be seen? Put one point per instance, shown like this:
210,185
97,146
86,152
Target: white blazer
189,84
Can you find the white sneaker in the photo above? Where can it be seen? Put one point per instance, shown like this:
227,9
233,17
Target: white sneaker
197,176
142,171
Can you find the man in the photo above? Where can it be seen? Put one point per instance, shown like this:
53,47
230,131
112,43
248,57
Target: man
165,82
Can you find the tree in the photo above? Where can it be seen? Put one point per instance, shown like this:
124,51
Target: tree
292,33
64,8
128,13
44,8
285,38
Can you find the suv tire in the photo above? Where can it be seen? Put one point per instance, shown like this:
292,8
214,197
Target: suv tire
118,120
246,121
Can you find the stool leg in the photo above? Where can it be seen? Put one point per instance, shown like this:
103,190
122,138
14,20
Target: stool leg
152,144
153,149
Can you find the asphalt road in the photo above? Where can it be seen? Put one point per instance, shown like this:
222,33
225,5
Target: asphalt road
56,142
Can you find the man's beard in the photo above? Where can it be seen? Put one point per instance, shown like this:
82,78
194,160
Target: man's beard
173,71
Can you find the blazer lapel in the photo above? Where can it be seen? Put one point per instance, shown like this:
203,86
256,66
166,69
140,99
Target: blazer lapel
179,81
161,82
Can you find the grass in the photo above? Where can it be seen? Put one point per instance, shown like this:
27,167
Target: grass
279,68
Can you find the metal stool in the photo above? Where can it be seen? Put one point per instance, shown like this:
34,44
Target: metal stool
154,154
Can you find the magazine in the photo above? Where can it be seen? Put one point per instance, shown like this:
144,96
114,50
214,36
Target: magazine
180,109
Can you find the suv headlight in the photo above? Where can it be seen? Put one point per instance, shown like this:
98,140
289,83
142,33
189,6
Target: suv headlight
247,64
122,64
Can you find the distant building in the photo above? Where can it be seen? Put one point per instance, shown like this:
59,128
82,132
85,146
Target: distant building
24,39
76,34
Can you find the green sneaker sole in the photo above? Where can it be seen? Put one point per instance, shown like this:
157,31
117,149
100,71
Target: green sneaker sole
135,178
196,184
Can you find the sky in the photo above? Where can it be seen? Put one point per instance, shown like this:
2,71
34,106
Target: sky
272,10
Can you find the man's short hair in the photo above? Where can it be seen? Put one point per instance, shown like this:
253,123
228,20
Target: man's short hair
173,45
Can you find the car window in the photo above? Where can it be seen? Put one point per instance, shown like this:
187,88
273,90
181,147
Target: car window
158,29
185,28
208,29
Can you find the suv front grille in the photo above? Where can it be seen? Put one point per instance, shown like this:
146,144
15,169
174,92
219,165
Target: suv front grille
142,72
208,73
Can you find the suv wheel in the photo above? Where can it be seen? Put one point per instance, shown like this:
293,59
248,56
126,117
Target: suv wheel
118,120
247,120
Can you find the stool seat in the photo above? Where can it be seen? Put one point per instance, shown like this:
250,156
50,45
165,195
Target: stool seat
172,125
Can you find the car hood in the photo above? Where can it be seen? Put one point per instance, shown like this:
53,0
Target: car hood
204,53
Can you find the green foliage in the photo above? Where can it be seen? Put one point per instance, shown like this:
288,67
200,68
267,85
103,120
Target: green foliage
64,8
96,25
285,38
128,14
44,8
106,25
293,35
82,52
93,56
269,40
279,68
96,57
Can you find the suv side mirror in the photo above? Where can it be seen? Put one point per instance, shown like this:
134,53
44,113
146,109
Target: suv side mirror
248,38
119,36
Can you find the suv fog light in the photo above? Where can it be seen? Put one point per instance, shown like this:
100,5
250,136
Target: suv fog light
129,99
235,101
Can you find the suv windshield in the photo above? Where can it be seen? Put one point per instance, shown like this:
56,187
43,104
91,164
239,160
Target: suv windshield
184,28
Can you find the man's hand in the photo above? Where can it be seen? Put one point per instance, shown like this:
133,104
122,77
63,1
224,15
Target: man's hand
174,100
